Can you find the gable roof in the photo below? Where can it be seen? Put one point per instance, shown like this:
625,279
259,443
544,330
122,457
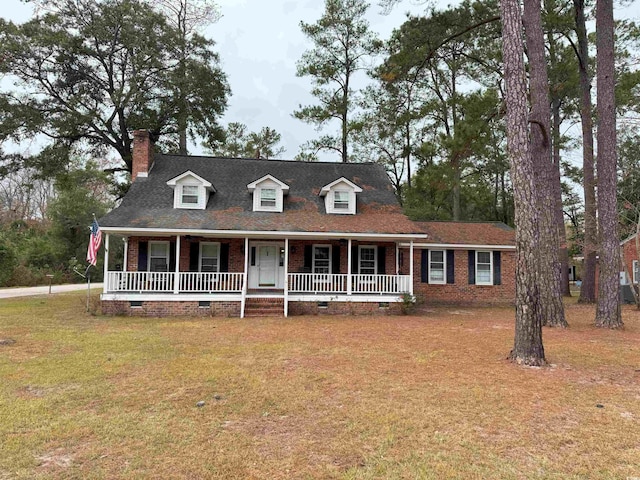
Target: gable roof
324,190
469,233
252,186
149,202
189,173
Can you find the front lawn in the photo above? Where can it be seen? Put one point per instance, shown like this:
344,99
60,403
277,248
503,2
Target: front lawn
428,396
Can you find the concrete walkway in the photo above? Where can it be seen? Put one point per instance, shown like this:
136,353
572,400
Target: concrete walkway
31,291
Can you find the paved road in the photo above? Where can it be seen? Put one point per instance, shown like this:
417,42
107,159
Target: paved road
30,291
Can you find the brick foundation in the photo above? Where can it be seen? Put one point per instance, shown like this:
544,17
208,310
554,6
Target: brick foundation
343,308
171,309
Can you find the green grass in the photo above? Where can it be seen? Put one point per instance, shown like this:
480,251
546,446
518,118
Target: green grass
312,397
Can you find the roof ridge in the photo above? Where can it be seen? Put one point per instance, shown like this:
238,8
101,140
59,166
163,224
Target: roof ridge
262,159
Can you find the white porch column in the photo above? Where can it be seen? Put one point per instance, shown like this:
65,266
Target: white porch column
349,289
286,277
126,253
247,253
176,279
106,264
411,268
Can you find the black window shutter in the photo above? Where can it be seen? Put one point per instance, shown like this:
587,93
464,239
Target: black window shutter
143,247
308,258
335,259
497,268
382,260
354,259
194,256
472,267
224,257
172,256
451,268
253,256
424,265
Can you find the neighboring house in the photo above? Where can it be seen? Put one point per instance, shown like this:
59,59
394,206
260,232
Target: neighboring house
631,267
465,263
236,237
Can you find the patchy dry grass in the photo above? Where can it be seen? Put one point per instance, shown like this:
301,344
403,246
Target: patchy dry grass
428,397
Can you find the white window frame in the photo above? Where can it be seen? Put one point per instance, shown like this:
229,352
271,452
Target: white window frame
444,267
344,202
197,193
634,271
490,282
375,259
167,250
313,257
268,182
200,256
340,185
269,208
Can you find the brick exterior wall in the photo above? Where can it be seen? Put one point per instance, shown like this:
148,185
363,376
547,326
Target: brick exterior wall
629,254
460,292
236,247
296,258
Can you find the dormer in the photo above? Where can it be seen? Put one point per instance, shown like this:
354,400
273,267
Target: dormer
190,191
340,196
268,193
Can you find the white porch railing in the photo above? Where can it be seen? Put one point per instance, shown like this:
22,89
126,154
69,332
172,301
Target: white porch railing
317,283
226,282
381,284
209,282
337,283
163,282
140,281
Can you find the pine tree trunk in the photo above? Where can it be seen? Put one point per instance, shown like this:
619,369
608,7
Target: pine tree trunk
563,252
528,348
551,306
608,307
588,288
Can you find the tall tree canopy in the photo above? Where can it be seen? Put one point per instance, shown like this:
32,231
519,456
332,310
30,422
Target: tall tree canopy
86,74
342,43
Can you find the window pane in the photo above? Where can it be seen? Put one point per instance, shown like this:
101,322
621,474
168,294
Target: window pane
268,197
158,249
341,200
483,274
209,250
209,265
484,257
437,256
436,273
190,194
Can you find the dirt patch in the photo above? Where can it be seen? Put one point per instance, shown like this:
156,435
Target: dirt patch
7,341
57,458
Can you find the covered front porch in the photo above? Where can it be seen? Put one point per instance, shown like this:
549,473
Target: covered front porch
204,268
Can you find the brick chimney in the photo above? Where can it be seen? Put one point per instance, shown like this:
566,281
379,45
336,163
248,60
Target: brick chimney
142,154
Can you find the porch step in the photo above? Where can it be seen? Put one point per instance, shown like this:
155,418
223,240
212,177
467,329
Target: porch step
264,307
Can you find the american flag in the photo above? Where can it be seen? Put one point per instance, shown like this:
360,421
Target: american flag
94,243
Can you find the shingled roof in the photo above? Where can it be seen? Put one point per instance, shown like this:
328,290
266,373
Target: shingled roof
469,233
149,202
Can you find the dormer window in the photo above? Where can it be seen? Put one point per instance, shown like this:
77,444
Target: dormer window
341,200
190,194
268,197
268,194
190,191
340,196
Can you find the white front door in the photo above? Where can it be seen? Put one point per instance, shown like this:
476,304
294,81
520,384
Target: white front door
267,265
